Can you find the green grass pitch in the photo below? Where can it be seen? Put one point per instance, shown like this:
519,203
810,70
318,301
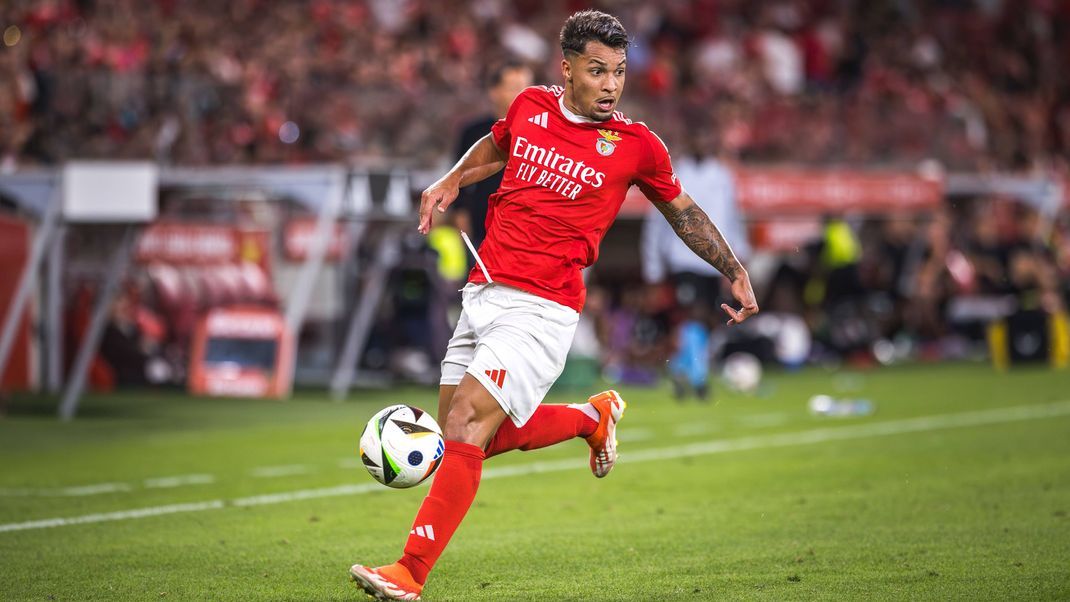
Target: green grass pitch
958,487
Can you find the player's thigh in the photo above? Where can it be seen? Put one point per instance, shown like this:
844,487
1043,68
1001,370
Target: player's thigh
473,415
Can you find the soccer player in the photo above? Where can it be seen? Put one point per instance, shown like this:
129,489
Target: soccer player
569,159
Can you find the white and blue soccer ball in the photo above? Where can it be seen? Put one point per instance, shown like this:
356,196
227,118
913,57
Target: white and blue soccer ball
401,446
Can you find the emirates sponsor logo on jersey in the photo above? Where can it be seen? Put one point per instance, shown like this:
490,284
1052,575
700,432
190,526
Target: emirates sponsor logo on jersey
551,169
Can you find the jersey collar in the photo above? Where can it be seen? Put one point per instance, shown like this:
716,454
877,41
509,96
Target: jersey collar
574,118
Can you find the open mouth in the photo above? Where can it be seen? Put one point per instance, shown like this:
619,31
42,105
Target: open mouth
605,104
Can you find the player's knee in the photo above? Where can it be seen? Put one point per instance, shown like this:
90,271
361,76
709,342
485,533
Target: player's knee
464,423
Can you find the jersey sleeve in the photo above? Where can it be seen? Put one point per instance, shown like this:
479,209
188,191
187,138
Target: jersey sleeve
655,177
500,132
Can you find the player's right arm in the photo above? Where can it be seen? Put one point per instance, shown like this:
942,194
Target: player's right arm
694,227
481,161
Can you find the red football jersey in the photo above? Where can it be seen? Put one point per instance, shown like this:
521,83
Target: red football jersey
564,182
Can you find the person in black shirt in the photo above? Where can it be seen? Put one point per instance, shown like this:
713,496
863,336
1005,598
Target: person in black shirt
504,82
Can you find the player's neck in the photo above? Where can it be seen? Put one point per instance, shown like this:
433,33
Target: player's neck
569,108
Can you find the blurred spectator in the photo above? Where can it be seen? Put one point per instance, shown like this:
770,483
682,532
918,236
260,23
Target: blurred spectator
129,339
504,83
666,258
698,289
988,252
1033,272
833,293
689,366
637,341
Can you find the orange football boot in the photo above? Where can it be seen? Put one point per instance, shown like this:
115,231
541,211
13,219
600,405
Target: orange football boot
603,440
390,582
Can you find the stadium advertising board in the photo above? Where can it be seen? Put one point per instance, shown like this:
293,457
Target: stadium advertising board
764,192
187,244
297,240
783,191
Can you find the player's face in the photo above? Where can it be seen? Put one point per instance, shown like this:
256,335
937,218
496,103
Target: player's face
595,80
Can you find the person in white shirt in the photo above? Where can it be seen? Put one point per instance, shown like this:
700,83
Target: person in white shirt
666,258
696,285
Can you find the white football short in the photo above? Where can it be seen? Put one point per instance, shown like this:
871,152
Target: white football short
513,342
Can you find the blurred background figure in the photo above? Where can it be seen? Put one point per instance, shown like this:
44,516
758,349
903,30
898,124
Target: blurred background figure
689,366
504,82
697,289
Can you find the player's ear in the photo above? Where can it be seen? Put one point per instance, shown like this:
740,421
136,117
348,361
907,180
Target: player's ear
566,69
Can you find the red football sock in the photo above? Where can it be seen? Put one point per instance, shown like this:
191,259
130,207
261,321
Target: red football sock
444,508
549,425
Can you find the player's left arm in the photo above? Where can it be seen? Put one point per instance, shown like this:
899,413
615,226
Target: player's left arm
694,227
482,160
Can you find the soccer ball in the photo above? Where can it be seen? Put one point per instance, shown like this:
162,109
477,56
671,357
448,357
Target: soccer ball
743,372
401,446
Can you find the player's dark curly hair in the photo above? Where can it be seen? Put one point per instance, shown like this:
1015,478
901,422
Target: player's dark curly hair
591,25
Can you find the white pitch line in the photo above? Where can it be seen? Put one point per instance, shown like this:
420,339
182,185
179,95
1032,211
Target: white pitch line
178,481
303,494
99,488
267,472
858,431
821,435
113,516
71,491
92,489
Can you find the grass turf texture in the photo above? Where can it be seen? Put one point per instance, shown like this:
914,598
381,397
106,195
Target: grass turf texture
977,512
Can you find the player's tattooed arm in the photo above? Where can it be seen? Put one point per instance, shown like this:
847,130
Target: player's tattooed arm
481,161
694,227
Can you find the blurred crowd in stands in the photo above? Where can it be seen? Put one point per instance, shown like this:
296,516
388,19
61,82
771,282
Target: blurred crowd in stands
868,290
871,290
973,84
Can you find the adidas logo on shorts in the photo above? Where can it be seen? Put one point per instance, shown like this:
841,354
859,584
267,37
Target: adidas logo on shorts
498,376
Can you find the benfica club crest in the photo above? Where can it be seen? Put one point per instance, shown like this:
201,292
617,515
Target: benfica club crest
605,145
